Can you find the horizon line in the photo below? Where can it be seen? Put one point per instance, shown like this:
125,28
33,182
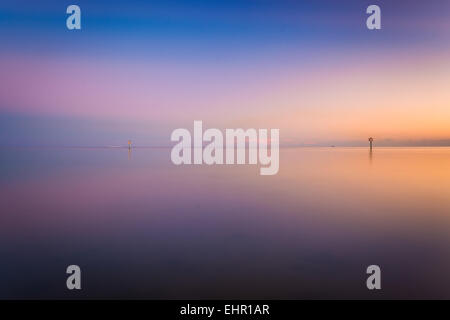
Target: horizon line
224,147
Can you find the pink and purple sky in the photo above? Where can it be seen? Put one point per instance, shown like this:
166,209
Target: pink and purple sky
138,70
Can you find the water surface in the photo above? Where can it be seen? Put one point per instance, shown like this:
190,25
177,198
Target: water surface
141,227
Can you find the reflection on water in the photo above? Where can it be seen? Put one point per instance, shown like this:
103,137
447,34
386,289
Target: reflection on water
140,227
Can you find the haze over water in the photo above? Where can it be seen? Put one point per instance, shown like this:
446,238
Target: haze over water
141,227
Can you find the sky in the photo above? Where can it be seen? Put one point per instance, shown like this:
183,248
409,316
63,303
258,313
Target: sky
140,69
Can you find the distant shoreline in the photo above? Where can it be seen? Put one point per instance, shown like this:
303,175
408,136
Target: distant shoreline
169,147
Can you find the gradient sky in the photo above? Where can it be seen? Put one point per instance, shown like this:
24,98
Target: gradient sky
140,69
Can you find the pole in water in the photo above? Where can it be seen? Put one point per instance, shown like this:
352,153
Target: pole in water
370,141
129,144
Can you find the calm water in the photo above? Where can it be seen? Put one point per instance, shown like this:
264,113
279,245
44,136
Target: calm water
140,227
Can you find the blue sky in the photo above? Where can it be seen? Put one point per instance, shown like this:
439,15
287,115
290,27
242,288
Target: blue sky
143,68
